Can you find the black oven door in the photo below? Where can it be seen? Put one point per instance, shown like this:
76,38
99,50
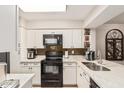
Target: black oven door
51,74
49,68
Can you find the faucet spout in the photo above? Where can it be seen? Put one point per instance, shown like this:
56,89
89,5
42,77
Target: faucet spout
99,57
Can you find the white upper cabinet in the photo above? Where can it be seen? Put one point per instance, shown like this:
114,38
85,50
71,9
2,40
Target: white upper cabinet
39,39
77,38
72,38
31,39
67,39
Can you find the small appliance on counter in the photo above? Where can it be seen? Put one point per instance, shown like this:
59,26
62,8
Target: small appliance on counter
31,53
90,55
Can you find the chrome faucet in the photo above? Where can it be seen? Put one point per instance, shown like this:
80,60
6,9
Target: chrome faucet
99,57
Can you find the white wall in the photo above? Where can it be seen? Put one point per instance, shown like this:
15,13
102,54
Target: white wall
8,34
7,28
53,24
101,33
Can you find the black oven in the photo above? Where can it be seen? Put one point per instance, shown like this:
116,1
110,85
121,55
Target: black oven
52,69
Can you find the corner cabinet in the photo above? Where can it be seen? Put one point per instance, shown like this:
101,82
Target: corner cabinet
114,45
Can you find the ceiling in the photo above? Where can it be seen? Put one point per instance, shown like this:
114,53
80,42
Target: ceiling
117,20
73,12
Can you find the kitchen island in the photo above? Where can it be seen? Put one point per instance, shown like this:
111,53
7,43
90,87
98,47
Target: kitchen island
25,80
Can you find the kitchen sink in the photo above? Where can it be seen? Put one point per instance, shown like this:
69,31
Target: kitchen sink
95,67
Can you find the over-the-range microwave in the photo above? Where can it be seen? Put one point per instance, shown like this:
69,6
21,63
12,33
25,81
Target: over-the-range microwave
52,39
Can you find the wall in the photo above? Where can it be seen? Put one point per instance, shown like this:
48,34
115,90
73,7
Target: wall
101,33
8,34
7,27
22,30
93,40
53,24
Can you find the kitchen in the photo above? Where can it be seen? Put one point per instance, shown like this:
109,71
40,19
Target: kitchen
37,39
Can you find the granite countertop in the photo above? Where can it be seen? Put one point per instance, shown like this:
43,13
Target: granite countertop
23,78
105,79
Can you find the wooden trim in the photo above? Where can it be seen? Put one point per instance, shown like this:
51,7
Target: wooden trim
36,85
70,85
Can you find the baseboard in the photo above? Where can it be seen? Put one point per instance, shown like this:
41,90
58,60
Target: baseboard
70,85
36,85
65,85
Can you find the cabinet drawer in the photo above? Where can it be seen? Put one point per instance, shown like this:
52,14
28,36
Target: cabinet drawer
35,64
30,64
69,64
25,64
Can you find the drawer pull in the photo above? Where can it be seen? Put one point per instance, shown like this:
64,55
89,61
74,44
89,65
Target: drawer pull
69,63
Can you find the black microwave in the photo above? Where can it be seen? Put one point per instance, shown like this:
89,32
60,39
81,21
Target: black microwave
52,39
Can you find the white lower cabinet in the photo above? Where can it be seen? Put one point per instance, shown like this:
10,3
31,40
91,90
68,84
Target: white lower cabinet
33,68
37,78
69,73
82,78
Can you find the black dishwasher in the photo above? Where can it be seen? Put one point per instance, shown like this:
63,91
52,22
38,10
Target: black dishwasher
93,84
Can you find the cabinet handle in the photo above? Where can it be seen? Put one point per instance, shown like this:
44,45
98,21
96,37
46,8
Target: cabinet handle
30,68
69,63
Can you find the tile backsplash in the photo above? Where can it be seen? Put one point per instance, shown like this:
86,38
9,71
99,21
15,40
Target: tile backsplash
71,51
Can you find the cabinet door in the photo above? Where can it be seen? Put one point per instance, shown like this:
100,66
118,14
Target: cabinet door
77,38
26,69
39,39
81,79
31,39
37,77
69,75
67,39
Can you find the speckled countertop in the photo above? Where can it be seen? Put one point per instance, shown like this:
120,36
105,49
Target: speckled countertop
105,79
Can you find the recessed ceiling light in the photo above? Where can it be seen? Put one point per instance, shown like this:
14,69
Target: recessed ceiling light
43,8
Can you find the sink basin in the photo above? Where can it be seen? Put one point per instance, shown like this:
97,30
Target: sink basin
95,67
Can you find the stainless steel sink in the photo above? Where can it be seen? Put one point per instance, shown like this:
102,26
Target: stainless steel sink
95,67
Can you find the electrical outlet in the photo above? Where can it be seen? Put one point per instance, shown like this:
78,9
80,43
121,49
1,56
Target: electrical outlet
72,51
